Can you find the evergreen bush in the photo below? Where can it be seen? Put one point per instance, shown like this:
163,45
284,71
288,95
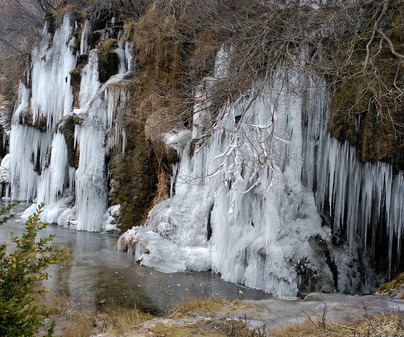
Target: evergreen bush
21,270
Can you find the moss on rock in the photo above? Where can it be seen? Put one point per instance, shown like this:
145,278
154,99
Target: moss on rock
366,109
135,177
75,76
394,288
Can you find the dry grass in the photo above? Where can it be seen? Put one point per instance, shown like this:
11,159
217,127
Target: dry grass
239,304
60,13
372,326
194,306
197,306
87,318
163,184
215,328
394,288
74,319
76,331
119,320
234,328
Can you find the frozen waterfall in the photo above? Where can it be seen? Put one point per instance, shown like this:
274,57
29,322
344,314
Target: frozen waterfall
43,104
240,208
40,171
249,198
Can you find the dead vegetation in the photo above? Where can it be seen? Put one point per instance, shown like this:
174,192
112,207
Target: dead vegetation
391,325
197,306
204,305
211,328
372,326
394,288
209,307
88,318
347,43
206,316
352,44
20,24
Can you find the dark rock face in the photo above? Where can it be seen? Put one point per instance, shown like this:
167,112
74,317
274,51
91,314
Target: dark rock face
76,78
135,177
67,127
108,60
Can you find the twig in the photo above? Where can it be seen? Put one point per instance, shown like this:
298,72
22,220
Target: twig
390,44
346,327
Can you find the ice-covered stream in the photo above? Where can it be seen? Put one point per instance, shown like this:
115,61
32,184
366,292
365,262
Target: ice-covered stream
99,273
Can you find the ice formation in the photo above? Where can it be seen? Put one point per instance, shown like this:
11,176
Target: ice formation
240,208
39,164
360,196
112,218
5,175
248,201
43,104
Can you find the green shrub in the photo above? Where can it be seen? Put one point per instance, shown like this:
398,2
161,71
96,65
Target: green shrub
21,314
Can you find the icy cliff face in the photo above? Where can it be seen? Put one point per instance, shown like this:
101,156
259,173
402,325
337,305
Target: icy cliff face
40,170
248,198
365,202
42,104
240,207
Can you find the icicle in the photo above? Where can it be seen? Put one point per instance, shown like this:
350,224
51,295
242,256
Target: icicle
25,144
120,51
129,55
89,80
38,152
359,194
91,189
172,179
98,105
5,173
5,120
124,140
76,132
22,104
84,38
51,98
249,198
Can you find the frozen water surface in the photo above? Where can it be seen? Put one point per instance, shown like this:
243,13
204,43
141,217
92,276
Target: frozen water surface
98,272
